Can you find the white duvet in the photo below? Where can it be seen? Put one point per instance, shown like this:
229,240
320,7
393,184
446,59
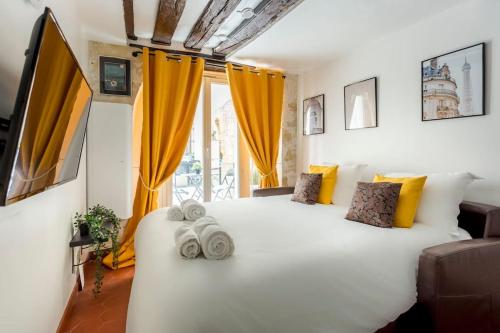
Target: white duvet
296,269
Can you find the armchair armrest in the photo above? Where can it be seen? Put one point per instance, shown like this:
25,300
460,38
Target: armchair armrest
480,220
458,283
267,192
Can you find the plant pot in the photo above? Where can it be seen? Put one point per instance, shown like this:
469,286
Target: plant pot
197,171
84,229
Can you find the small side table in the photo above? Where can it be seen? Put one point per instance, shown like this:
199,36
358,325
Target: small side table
80,243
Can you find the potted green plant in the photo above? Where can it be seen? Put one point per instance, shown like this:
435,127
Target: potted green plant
103,225
81,224
196,167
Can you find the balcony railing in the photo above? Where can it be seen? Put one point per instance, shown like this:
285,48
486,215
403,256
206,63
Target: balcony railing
438,77
441,92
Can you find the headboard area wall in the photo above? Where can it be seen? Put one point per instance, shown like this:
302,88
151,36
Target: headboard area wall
402,141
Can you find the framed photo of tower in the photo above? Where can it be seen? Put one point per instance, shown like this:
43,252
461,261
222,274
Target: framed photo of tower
453,84
313,121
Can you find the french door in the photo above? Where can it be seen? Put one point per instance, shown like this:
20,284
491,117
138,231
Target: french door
215,165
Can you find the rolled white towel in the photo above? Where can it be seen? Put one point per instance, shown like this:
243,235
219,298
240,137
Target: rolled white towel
192,209
202,222
215,242
187,242
175,213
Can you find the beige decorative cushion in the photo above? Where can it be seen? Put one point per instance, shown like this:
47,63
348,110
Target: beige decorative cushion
374,204
307,188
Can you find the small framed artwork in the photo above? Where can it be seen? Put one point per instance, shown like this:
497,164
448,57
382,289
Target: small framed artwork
314,115
114,76
453,84
360,104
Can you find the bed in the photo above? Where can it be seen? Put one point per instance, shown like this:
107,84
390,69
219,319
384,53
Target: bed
296,269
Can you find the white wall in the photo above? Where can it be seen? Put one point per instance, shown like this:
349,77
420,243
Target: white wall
35,260
109,156
402,141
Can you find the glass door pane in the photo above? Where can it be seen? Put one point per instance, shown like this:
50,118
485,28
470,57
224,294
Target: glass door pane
210,167
223,144
187,181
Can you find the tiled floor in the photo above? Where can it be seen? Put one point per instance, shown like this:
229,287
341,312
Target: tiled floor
106,313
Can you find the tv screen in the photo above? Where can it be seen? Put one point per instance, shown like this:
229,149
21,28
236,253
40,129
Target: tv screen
41,139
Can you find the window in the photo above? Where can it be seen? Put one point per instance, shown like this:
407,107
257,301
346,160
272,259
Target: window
215,163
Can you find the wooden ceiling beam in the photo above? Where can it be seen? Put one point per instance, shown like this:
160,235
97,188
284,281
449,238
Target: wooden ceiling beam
168,16
128,16
213,16
267,13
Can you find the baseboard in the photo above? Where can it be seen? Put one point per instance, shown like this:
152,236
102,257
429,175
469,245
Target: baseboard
68,306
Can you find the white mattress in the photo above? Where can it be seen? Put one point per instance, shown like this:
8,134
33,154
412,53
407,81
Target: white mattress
296,269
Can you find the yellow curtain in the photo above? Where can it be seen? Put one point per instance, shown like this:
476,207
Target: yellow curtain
170,93
258,102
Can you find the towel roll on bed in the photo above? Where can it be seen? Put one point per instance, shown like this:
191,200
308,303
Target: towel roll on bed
175,213
187,243
192,209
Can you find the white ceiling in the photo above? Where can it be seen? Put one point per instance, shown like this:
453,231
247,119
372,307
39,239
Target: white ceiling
144,17
318,31
102,20
315,32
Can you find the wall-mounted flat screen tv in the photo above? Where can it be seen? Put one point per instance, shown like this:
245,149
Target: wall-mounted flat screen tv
41,139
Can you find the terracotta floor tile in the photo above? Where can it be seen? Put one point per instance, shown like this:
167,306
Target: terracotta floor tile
115,326
87,326
106,313
113,315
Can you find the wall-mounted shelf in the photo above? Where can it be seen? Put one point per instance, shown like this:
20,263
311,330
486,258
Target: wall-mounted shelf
80,243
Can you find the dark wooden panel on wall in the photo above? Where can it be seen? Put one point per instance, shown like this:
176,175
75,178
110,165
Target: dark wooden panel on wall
167,18
128,16
213,16
267,13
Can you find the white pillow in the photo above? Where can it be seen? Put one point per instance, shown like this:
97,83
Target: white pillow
348,176
441,198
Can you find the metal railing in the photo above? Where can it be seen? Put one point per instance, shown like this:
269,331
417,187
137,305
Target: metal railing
438,77
446,92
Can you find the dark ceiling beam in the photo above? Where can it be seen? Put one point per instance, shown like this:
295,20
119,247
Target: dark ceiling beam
128,16
267,13
213,16
168,15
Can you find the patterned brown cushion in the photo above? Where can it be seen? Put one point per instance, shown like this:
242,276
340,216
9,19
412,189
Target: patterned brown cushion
374,204
307,188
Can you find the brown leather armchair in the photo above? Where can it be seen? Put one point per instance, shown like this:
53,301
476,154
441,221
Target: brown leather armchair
458,283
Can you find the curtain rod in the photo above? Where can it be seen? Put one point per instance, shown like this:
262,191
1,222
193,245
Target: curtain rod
215,61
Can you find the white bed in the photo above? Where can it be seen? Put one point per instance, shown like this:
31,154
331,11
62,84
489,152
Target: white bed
296,269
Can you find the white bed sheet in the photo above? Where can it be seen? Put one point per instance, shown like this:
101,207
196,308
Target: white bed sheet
296,269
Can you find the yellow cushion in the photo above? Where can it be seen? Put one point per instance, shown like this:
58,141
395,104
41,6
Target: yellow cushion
409,198
327,183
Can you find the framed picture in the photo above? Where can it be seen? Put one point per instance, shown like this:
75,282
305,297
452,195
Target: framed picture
314,115
453,84
360,104
114,76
